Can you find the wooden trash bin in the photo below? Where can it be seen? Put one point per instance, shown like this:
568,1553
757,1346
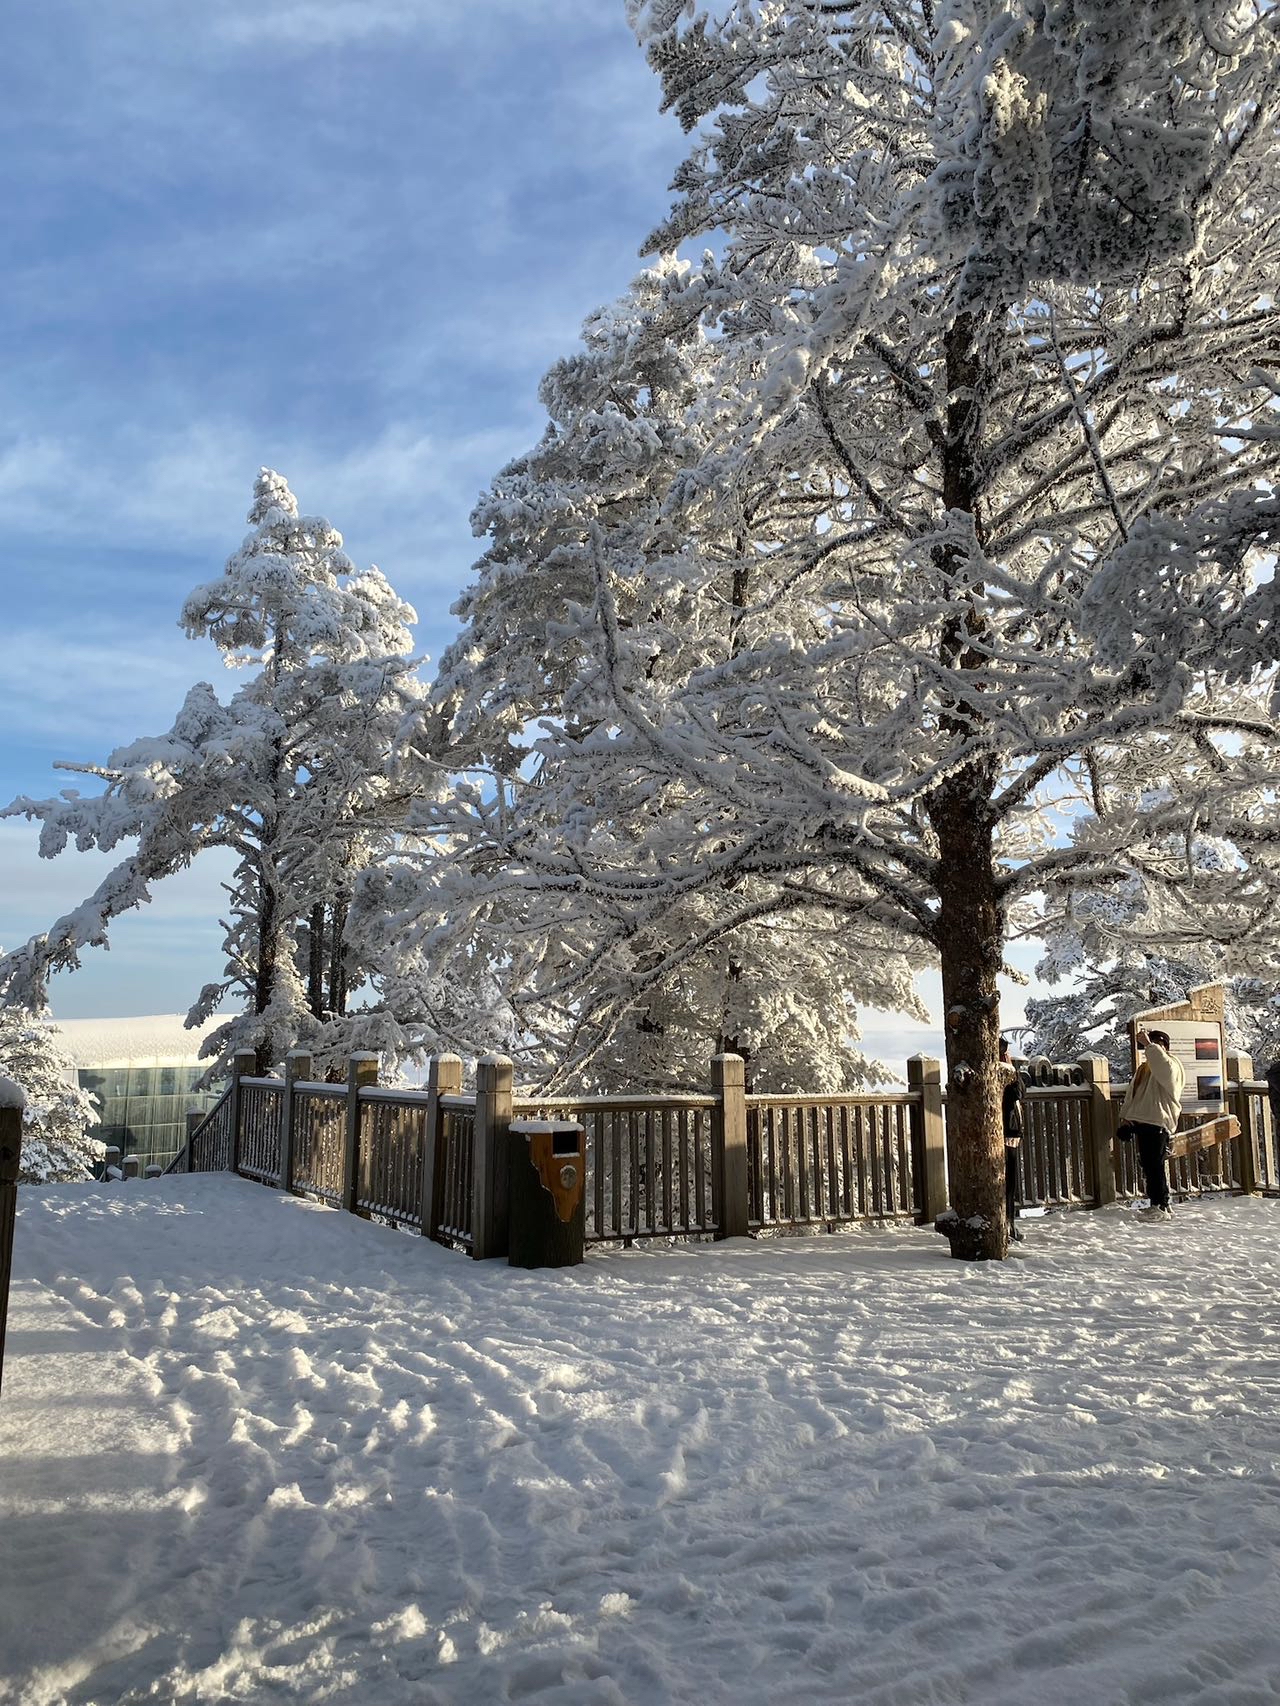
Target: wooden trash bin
546,1193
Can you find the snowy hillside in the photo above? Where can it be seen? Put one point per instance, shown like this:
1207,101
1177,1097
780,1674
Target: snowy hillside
255,1450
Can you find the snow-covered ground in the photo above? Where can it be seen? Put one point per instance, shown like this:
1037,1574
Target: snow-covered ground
257,1450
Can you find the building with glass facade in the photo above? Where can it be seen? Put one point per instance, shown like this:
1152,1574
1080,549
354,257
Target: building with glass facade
143,1073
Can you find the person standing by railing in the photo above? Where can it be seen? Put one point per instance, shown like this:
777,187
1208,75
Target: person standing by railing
1149,1114
1273,1097
1011,1110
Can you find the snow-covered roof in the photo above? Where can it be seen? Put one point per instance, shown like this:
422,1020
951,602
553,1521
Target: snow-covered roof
156,1039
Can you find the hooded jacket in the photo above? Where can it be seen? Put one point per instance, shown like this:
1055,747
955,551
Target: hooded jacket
1011,1104
1155,1095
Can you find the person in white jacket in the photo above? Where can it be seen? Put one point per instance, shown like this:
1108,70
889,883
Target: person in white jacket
1149,1113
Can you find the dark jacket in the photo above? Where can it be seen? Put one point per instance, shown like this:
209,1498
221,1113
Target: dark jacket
1011,1107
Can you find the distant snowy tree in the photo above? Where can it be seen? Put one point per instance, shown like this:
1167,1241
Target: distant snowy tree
57,1144
294,775
1253,1014
1119,953
988,318
1093,1016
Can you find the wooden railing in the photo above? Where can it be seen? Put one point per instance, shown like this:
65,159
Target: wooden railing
1203,1172
829,1160
258,1129
455,1194
319,1130
712,1165
650,1167
1057,1162
11,1110
1254,1111
211,1139
389,1178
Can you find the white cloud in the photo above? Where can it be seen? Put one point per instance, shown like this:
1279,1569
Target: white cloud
36,891
98,692
160,955
191,488
310,25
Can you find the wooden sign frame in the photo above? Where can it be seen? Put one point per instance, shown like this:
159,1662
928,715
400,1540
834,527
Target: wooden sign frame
1198,1039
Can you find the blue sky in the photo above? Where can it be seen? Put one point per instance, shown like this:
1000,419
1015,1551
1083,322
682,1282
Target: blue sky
343,238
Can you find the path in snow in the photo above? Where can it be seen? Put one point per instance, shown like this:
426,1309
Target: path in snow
257,1450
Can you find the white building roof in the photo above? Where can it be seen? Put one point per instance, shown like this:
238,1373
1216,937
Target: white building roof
157,1039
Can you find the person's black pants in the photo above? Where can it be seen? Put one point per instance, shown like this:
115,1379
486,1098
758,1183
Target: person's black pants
1153,1145
1011,1184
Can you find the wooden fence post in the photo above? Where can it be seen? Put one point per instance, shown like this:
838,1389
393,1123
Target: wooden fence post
444,1078
12,1102
194,1120
362,1070
244,1063
1239,1069
297,1065
729,1177
1102,1127
494,1090
928,1136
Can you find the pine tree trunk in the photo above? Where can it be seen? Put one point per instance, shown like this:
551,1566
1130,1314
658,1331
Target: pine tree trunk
970,926
315,961
264,982
732,1043
269,876
971,946
337,959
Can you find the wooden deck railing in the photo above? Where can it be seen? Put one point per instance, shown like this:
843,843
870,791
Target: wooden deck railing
650,1171
258,1131
830,1160
1057,1163
1254,1111
319,1129
455,1199
692,1165
210,1145
389,1184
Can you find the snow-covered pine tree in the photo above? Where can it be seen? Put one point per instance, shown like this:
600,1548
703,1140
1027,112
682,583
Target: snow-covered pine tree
994,295
1093,1015
57,1138
294,775
598,996
1011,266
1110,948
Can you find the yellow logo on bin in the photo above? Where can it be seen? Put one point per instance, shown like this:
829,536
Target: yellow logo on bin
560,1177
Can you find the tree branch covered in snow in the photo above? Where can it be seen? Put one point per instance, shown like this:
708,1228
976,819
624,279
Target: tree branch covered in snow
57,1116
294,776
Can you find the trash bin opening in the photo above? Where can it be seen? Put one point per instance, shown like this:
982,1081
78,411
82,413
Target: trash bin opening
564,1143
